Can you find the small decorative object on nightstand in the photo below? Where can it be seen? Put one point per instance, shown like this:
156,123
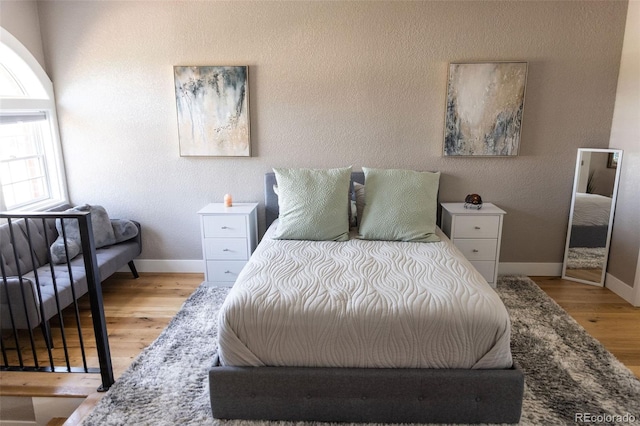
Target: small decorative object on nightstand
229,236
477,233
473,201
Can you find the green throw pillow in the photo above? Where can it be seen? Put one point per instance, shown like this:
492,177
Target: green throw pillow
313,204
400,205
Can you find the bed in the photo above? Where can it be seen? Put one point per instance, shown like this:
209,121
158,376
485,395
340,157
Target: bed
590,223
354,331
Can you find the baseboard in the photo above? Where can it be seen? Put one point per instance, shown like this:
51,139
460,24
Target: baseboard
621,289
197,266
530,269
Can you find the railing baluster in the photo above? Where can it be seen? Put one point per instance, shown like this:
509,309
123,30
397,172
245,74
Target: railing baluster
12,319
4,353
75,302
55,287
24,298
39,291
97,305
49,335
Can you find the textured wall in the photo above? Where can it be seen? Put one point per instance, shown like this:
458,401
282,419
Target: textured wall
332,84
625,134
20,18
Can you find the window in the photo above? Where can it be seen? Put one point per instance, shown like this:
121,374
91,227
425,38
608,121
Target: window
23,168
31,170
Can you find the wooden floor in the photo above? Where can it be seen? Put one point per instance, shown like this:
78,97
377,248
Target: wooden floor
605,315
592,274
138,310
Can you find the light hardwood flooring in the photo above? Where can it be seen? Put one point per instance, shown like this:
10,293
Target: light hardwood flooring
606,316
138,310
594,274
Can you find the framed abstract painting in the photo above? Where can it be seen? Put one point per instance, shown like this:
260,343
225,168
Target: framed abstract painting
213,110
484,108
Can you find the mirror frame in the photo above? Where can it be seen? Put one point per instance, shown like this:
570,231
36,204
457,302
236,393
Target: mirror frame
614,197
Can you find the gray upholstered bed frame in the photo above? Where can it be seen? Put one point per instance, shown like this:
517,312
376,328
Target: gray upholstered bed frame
385,395
589,236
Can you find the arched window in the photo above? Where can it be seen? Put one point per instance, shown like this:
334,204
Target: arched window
31,168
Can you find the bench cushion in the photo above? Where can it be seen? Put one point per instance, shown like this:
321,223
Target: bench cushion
21,258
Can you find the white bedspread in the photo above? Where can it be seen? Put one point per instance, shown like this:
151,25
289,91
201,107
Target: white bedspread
363,304
591,210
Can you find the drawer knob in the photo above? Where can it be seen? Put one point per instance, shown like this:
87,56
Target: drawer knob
226,250
475,250
476,227
224,227
227,272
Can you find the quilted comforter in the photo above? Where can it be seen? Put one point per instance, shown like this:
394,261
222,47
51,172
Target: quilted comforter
591,210
370,304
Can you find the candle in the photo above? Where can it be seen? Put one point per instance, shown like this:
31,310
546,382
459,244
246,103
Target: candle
228,202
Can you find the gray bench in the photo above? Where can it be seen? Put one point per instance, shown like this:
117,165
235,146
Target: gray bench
24,252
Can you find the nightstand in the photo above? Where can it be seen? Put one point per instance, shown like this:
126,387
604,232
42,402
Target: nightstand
477,234
229,236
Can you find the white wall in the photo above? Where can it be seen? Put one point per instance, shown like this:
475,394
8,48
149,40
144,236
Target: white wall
625,134
20,18
331,84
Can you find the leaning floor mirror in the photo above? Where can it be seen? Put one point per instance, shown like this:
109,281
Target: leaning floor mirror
593,201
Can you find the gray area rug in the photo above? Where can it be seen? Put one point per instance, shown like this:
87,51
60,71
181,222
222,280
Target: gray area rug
585,257
567,372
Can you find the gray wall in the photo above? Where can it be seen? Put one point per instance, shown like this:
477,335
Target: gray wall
332,84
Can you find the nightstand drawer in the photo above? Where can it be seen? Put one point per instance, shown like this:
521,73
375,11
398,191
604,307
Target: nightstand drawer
226,249
476,227
225,226
224,270
486,269
477,249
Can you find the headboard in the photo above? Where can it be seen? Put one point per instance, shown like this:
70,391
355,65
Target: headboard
271,199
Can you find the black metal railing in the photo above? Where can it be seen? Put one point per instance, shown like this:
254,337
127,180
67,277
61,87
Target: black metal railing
37,292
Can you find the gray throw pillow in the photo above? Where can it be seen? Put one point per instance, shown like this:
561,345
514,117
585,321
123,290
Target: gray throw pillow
123,229
58,249
313,204
400,205
103,234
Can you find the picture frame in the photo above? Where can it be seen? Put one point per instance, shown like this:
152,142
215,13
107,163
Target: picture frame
484,107
212,104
